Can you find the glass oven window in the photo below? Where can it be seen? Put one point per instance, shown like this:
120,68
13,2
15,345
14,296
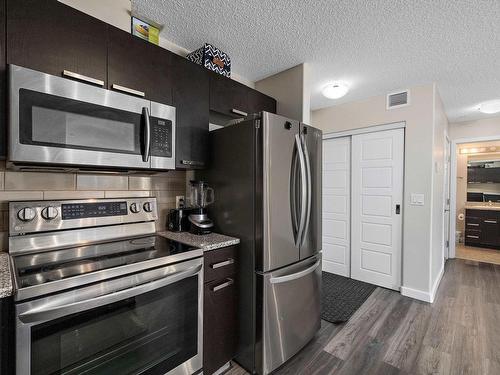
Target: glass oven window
148,334
54,121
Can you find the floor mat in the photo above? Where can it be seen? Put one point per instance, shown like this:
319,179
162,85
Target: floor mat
341,297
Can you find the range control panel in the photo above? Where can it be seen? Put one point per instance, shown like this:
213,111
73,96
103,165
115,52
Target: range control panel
84,210
43,216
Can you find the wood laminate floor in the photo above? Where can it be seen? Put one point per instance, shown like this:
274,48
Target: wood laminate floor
390,334
478,254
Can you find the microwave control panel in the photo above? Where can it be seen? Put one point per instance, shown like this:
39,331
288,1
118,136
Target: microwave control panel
161,137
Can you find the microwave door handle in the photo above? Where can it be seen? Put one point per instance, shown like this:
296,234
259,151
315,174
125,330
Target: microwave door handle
38,315
146,134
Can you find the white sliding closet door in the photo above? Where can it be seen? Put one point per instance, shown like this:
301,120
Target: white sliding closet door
336,205
377,197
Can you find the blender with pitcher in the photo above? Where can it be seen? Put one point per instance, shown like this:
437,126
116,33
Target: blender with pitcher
201,195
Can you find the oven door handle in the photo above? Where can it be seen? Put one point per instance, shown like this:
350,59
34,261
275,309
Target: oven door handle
39,315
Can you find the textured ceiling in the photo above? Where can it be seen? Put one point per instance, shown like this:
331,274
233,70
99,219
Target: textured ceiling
377,46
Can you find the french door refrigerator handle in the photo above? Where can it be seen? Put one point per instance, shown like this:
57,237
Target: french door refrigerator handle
293,193
309,188
43,314
295,276
147,134
303,192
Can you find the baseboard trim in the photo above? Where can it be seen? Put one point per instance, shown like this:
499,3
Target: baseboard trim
416,294
423,295
436,284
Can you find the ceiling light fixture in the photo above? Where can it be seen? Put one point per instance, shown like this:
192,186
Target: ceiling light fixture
335,90
493,106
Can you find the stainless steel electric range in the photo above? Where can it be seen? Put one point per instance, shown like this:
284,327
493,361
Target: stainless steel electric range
98,292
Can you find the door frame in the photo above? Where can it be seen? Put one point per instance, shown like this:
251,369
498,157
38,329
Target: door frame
453,184
368,129
447,195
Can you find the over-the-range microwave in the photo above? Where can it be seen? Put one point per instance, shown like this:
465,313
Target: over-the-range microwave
58,123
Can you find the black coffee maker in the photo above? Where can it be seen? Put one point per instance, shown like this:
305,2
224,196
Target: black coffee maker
177,219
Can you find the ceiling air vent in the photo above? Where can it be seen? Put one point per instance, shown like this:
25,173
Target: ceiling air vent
398,99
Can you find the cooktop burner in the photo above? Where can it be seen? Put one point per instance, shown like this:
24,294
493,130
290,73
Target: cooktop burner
44,267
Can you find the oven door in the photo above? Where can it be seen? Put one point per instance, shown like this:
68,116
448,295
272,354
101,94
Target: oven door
147,323
58,121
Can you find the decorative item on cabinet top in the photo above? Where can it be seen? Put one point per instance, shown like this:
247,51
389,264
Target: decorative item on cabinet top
212,58
145,31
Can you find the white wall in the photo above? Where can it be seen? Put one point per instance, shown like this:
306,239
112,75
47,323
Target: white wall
419,157
489,127
438,194
118,13
291,89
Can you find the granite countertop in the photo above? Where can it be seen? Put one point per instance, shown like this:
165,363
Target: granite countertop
482,206
5,277
205,242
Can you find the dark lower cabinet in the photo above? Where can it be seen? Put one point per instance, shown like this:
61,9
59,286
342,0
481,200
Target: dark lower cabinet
7,353
191,101
51,37
137,67
220,319
482,228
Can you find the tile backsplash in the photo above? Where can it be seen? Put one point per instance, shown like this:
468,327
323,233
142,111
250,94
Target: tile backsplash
42,185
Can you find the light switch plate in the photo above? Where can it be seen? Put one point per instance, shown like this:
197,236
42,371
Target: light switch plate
417,199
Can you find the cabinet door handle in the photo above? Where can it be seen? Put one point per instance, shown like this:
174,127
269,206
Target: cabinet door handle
472,224
222,264
470,236
81,77
127,90
490,221
192,162
229,282
238,112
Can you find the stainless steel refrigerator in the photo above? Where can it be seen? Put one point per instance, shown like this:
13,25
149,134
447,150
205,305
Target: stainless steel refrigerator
266,173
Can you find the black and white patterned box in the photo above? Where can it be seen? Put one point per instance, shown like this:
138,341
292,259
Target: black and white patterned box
212,58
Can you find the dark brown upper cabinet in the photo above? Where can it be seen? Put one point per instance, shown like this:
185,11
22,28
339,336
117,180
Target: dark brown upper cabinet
51,37
483,175
137,67
3,84
233,99
190,95
258,101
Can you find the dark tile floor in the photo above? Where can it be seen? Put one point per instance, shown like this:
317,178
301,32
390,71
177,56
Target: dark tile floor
390,334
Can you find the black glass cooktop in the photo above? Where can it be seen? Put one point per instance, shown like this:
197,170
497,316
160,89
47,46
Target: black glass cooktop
36,269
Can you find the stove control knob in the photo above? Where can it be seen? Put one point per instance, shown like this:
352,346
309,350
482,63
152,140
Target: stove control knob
26,214
135,208
49,213
148,207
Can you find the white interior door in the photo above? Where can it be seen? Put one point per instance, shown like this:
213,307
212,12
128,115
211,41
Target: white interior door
336,205
377,194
